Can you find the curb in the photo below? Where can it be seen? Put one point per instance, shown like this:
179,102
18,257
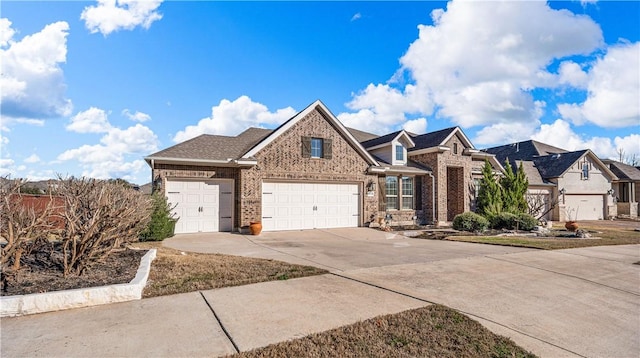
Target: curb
11,306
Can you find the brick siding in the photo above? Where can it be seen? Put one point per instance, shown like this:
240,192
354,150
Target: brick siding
282,160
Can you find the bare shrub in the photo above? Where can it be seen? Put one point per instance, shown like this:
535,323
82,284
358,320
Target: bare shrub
100,216
22,222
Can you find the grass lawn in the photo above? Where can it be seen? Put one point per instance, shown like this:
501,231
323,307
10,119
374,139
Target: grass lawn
175,271
432,331
601,235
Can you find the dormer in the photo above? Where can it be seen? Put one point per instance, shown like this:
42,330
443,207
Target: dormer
391,148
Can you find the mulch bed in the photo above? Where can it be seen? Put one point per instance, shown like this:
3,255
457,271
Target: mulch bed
36,276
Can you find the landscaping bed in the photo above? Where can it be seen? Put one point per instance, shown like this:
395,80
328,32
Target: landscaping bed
601,234
38,275
432,331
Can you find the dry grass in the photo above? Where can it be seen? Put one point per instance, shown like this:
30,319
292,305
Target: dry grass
174,271
602,235
432,331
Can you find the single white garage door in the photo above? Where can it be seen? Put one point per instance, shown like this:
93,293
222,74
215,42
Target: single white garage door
584,207
295,206
201,206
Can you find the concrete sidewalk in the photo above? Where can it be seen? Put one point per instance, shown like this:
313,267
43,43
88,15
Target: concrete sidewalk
187,325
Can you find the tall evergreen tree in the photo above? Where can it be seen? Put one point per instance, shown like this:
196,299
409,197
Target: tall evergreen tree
514,189
507,182
490,193
520,187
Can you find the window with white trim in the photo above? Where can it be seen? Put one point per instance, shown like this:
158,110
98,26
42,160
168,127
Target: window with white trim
407,193
391,191
399,152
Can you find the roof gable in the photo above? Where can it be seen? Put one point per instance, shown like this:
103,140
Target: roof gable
439,138
327,115
556,165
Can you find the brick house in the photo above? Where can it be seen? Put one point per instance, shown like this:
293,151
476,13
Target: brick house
313,172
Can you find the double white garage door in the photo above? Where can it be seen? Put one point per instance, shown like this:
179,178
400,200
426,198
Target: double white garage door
295,206
201,206
207,206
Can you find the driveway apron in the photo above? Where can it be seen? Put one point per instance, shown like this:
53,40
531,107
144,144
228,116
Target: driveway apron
578,302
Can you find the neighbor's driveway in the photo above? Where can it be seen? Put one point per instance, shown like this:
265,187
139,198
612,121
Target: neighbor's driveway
583,302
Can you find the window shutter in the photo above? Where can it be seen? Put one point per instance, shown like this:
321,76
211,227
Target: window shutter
306,147
417,192
326,148
382,194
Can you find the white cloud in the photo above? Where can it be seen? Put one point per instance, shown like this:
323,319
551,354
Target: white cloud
478,62
416,126
356,16
33,158
113,157
6,165
93,120
382,107
233,117
137,116
6,32
560,134
136,139
572,74
114,15
613,90
32,81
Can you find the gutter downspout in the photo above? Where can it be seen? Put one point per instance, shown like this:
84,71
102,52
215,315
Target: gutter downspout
433,198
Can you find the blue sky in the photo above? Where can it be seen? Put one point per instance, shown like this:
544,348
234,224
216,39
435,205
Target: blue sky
91,88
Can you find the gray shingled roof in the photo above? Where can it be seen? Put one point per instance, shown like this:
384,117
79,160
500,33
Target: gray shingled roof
361,136
215,147
554,165
530,170
623,171
380,140
526,150
433,139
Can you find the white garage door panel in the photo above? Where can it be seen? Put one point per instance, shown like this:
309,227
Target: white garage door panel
296,206
201,206
584,207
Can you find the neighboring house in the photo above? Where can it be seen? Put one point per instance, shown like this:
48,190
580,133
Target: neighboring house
627,197
313,172
576,184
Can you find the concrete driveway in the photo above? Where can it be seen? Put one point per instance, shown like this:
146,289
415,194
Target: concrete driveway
579,302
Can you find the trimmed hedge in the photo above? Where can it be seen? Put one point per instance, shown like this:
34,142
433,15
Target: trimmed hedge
470,222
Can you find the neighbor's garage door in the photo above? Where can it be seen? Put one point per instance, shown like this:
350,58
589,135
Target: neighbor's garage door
201,206
294,206
584,207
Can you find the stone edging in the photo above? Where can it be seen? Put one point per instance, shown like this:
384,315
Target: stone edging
11,306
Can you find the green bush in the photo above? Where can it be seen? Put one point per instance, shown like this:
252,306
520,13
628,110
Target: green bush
504,220
527,222
470,222
162,223
511,221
